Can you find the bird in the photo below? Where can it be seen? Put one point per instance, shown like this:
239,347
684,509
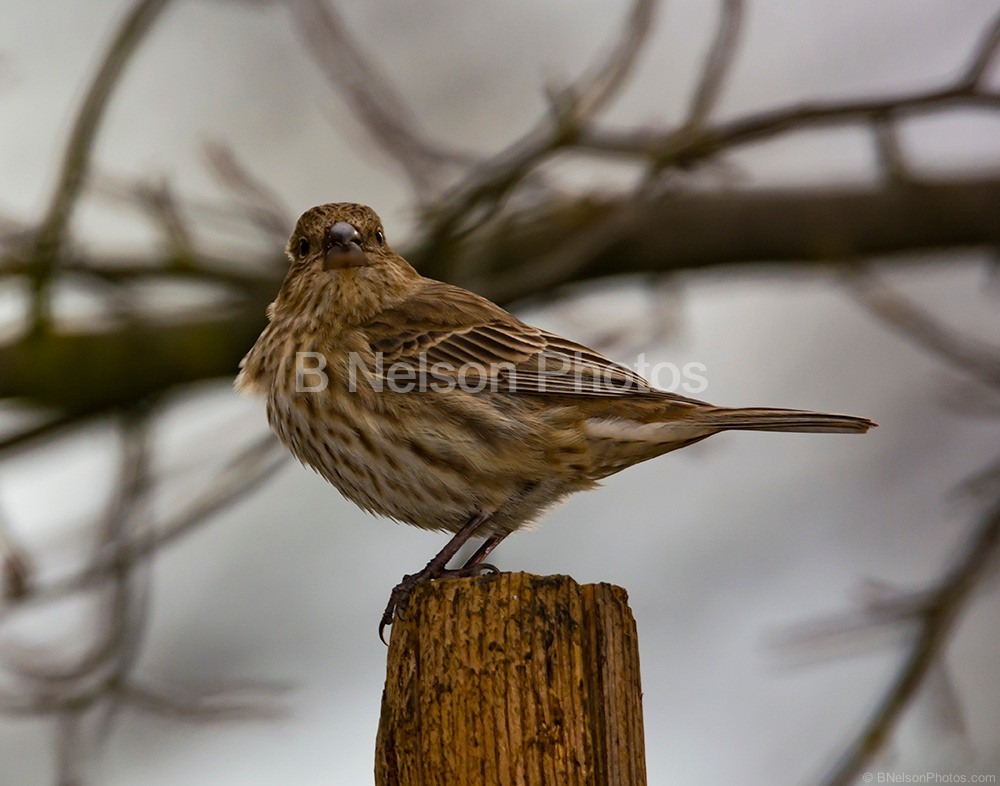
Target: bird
431,405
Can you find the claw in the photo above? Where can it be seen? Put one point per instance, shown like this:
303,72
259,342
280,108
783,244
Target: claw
400,595
436,569
398,598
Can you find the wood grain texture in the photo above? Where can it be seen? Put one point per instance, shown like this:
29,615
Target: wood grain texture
511,679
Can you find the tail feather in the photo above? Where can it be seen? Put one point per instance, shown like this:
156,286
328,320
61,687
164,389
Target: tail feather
768,419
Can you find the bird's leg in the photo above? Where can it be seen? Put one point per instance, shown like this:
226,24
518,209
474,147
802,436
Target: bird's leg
437,568
476,560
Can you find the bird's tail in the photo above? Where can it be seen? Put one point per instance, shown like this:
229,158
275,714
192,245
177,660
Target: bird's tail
768,419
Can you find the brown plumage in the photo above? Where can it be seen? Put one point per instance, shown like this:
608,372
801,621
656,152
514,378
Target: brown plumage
553,417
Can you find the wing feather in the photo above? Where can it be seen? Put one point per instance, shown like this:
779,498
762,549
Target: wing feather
452,327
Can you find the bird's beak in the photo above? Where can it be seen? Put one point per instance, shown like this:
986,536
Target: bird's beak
342,247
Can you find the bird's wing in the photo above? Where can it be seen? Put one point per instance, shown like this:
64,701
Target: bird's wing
450,332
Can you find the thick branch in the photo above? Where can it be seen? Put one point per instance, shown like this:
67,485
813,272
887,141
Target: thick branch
534,253
92,371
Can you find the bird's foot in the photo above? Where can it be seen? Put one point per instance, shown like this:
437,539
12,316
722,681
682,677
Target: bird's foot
400,595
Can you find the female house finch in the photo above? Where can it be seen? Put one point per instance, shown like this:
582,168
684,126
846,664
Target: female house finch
442,410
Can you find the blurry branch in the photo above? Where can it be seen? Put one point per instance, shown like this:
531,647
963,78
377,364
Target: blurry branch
14,565
486,185
97,684
261,204
881,610
681,148
684,147
70,690
368,92
161,205
886,612
124,609
69,749
250,467
476,234
527,254
174,265
982,58
918,326
34,435
597,86
930,616
935,619
717,64
984,483
890,152
231,701
128,362
934,611
460,216
220,214
76,162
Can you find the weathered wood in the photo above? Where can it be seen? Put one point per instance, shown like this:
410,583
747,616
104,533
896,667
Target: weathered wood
513,679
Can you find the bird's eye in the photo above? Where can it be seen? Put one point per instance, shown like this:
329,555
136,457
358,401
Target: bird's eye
379,237
303,247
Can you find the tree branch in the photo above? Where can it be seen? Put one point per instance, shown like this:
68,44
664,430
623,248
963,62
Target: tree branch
248,469
683,148
76,160
977,358
936,619
387,119
983,56
519,257
717,63
487,184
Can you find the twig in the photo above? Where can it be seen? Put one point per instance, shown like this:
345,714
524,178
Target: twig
15,568
602,81
160,204
247,700
247,470
974,357
375,102
890,152
717,63
261,204
937,618
488,184
69,749
982,57
50,426
880,615
122,191
683,147
76,160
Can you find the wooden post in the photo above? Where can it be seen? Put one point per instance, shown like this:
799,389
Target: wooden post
512,680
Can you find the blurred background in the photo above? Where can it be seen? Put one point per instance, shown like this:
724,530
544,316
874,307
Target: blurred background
803,198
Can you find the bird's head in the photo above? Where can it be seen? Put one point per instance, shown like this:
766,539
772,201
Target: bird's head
341,263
